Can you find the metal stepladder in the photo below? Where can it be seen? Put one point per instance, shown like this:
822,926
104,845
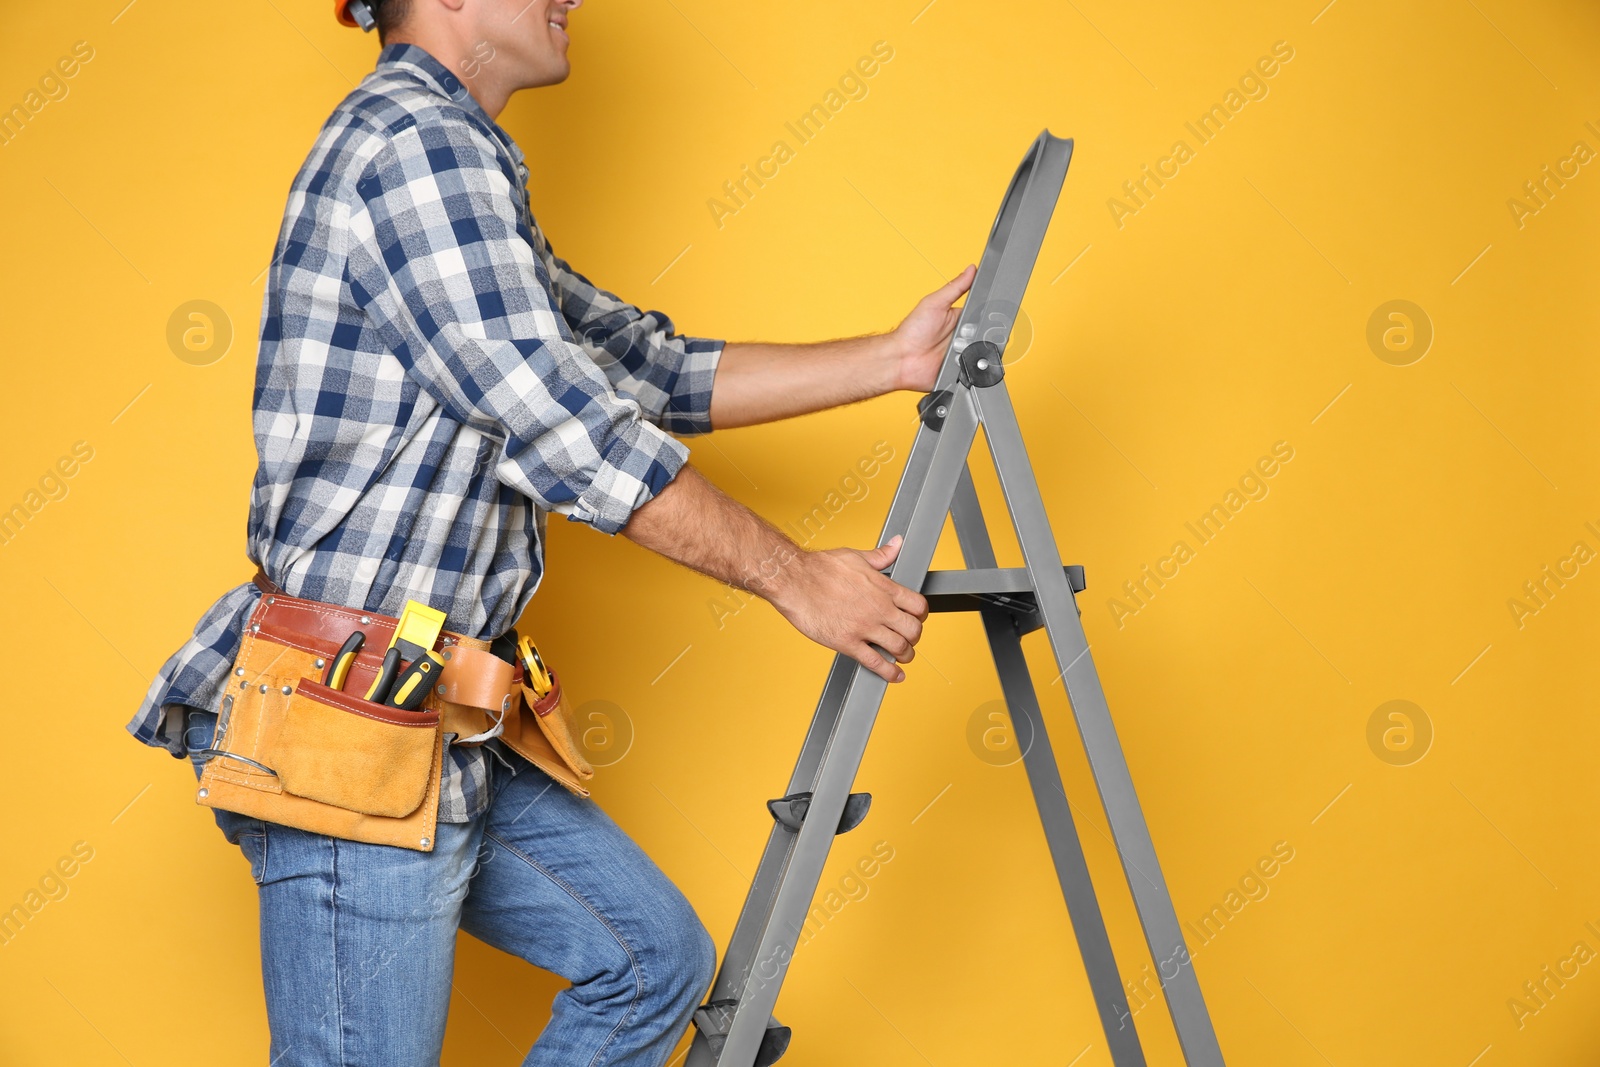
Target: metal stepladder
736,1027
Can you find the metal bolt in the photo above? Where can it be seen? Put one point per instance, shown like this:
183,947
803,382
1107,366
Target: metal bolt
239,671
227,703
263,687
287,690
244,684
204,793
983,364
424,842
272,600
445,655
255,627
942,411
366,620
321,664
440,690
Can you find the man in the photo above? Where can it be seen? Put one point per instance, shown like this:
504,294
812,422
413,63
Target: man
432,381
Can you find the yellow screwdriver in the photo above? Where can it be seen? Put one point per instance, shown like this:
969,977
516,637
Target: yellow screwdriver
416,682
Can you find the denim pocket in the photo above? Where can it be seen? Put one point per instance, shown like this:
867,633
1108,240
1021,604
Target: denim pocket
251,837
254,847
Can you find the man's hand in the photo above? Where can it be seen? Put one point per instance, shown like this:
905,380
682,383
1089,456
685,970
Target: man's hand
838,598
921,339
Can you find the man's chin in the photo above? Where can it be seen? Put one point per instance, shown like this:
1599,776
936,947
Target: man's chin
554,73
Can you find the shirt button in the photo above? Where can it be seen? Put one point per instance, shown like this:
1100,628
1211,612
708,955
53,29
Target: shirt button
451,86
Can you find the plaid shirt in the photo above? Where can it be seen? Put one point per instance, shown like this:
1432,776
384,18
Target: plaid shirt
432,380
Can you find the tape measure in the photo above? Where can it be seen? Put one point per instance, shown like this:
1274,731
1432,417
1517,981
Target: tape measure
533,667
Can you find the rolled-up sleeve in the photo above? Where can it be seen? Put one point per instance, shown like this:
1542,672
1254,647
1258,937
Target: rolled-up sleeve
443,264
639,351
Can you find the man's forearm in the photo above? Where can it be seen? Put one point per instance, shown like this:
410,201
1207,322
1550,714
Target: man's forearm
694,523
762,382
838,597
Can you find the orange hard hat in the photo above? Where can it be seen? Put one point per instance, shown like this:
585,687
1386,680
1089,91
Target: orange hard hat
363,16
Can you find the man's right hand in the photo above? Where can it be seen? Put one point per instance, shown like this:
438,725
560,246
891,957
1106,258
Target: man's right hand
838,598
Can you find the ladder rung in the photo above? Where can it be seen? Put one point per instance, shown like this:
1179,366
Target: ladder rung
988,587
791,810
715,1019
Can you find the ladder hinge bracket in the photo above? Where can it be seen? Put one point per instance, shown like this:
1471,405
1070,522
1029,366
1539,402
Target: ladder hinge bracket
980,364
933,408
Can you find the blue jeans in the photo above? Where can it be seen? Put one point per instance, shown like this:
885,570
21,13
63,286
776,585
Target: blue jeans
358,941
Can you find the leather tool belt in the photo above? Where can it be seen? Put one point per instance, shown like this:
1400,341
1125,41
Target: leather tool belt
290,750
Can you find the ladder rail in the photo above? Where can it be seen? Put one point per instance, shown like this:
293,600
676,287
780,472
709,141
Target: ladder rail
737,961
733,973
1129,831
846,745
1007,262
1049,794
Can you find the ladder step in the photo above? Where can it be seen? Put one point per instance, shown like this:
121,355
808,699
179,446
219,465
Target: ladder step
715,1019
989,587
791,811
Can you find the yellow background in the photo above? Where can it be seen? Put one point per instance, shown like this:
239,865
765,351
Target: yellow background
1225,316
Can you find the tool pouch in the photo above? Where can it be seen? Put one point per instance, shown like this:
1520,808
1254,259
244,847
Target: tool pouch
540,729
354,754
545,727
292,751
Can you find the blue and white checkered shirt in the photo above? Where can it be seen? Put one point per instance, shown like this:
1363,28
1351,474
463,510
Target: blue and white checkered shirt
432,380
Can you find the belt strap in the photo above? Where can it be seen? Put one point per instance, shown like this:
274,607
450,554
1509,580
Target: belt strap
472,675
476,677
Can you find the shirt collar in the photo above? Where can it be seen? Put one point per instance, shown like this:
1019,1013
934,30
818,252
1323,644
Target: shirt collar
438,77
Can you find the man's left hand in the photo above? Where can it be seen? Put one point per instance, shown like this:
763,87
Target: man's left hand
920,341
